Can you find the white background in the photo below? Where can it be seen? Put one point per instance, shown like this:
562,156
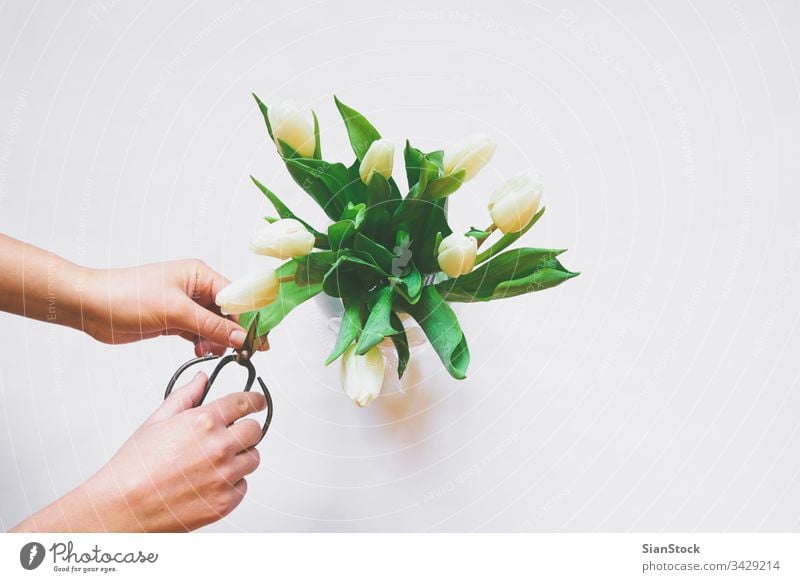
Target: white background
657,391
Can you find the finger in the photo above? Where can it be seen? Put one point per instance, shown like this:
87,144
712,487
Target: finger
196,319
181,399
245,434
246,462
262,343
232,407
204,347
204,282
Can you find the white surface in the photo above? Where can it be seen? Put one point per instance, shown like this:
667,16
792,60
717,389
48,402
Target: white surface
657,391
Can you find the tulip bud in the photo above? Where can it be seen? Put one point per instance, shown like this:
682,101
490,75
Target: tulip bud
472,155
290,125
362,376
516,201
283,239
249,293
379,158
457,254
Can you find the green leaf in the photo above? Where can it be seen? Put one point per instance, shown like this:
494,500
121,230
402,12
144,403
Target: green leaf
444,186
317,147
264,110
351,275
360,131
284,212
441,327
400,341
326,183
509,274
477,233
382,256
350,327
290,296
378,325
378,190
311,268
341,233
506,240
408,286
549,274
413,159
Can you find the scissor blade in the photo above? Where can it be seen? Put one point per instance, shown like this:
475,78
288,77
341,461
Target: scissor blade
250,339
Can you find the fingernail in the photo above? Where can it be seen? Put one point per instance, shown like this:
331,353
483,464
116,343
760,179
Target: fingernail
237,338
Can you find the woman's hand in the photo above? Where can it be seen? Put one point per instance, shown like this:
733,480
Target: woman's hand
118,305
176,298
182,469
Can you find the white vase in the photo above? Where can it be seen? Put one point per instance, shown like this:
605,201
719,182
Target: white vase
332,309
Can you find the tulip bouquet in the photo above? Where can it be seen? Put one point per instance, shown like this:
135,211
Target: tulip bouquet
386,255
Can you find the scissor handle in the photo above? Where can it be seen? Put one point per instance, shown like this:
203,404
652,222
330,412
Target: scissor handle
251,377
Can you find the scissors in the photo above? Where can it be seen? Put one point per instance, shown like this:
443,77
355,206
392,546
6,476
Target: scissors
241,357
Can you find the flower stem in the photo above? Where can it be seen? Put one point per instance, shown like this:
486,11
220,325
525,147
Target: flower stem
286,279
490,229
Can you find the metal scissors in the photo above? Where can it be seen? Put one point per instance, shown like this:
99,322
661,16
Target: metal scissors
241,357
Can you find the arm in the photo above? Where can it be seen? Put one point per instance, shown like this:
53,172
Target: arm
117,305
182,469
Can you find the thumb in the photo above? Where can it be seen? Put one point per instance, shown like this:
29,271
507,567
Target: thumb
183,398
208,325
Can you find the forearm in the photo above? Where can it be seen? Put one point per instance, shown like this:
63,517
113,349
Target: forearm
41,285
90,507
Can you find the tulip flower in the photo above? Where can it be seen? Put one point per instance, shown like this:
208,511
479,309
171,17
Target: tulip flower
362,376
472,154
516,201
283,239
456,254
379,158
249,293
291,125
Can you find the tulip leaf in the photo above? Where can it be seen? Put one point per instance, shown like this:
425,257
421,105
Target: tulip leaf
409,286
264,110
441,327
360,131
340,233
326,183
413,159
509,274
506,240
378,190
284,212
477,233
377,326
444,186
311,268
549,274
427,232
289,296
351,275
379,253
317,147
349,328
400,341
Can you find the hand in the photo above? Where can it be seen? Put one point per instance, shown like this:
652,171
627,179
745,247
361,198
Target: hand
175,298
182,469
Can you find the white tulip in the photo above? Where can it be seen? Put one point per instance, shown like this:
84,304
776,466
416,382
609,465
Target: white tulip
379,158
291,125
472,154
283,239
362,376
457,253
515,202
249,293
